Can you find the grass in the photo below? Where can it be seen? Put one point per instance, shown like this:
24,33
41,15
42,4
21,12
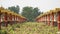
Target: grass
30,28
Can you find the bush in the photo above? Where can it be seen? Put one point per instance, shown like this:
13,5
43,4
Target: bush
3,32
11,32
18,26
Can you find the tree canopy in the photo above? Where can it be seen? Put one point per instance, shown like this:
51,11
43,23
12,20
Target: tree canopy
30,13
15,9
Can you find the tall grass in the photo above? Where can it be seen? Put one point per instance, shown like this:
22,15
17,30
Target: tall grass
30,28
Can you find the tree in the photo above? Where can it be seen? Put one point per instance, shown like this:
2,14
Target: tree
15,9
30,13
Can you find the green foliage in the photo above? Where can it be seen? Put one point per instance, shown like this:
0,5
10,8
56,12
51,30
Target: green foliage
36,28
16,25
30,13
15,9
3,32
10,29
29,28
11,32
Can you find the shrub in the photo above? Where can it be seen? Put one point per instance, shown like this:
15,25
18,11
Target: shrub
3,32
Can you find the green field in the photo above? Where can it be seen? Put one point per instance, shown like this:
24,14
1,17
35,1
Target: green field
29,28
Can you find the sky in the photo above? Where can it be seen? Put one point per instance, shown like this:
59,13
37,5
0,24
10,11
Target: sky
43,5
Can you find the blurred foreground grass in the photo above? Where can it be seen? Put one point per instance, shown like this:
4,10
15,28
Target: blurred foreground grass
30,28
